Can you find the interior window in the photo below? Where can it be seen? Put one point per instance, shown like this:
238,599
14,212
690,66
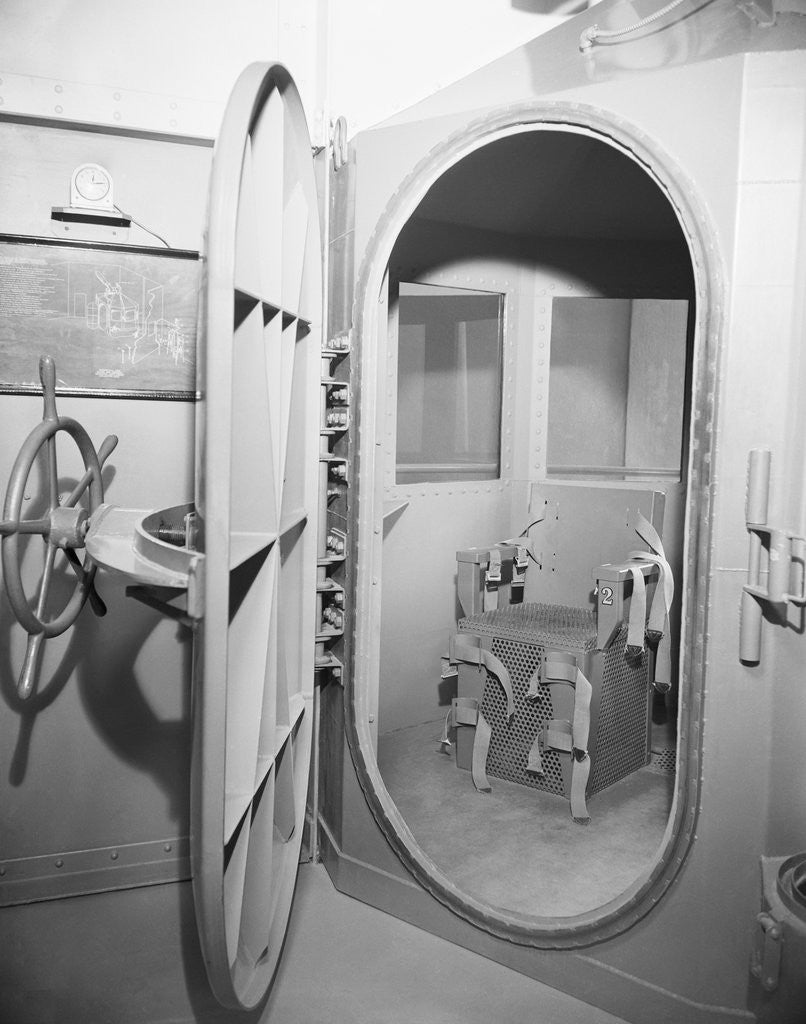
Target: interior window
449,384
618,366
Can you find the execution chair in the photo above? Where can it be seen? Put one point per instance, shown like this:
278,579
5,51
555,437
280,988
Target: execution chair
556,694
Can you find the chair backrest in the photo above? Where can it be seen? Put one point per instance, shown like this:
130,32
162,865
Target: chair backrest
579,527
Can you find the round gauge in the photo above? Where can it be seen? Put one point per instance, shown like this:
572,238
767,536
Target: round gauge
92,183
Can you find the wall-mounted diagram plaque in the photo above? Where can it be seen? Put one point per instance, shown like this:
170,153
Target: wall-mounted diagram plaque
119,321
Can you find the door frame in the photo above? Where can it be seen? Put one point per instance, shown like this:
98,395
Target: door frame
362,681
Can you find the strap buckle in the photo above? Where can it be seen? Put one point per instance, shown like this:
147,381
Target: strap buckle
571,736
520,561
493,574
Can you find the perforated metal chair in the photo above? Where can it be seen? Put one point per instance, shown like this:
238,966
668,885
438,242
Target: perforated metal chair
555,696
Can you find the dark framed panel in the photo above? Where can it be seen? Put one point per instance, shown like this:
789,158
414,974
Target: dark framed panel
120,321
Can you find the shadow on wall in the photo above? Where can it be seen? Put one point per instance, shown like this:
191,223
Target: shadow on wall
100,659
132,683
47,692
53,674
115,695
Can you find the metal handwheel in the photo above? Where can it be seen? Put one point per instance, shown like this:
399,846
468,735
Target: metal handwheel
64,527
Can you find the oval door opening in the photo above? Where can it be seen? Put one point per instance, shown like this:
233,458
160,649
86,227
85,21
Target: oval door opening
538,367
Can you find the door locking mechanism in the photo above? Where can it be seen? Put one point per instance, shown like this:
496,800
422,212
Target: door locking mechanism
785,567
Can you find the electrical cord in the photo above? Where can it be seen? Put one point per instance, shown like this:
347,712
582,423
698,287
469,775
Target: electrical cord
526,529
593,33
142,226
525,533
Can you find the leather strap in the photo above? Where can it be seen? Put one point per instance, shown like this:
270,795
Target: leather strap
657,625
481,747
466,711
664,592
474,650
534,762
580,773
636,628
445,739
572,737
492,581
648,534
558,667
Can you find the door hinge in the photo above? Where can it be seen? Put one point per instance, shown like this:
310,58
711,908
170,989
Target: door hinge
765,960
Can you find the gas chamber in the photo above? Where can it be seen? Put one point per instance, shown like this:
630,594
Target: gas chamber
452,575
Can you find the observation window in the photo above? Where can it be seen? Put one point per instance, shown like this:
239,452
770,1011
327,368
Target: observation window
449,384
617,384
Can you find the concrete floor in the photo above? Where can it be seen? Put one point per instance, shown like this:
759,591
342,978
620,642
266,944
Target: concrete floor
518,847
346,963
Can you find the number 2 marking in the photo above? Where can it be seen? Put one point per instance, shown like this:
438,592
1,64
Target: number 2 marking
607,595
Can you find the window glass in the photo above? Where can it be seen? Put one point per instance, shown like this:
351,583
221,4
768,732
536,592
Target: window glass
448,384
617,387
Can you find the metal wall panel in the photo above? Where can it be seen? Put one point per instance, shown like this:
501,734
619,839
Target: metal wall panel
682,92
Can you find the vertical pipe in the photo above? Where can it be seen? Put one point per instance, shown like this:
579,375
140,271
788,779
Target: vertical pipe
750,629
758,486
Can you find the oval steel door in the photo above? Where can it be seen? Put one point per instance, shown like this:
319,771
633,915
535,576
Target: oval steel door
256,497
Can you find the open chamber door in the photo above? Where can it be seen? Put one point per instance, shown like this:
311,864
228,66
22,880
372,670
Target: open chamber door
256,493
238,564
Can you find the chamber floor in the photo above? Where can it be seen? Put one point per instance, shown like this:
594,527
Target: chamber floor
516,847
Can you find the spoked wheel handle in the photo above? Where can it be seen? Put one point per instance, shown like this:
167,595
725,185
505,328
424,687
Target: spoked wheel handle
64,526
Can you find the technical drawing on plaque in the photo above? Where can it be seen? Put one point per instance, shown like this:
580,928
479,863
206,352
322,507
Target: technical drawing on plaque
122,321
